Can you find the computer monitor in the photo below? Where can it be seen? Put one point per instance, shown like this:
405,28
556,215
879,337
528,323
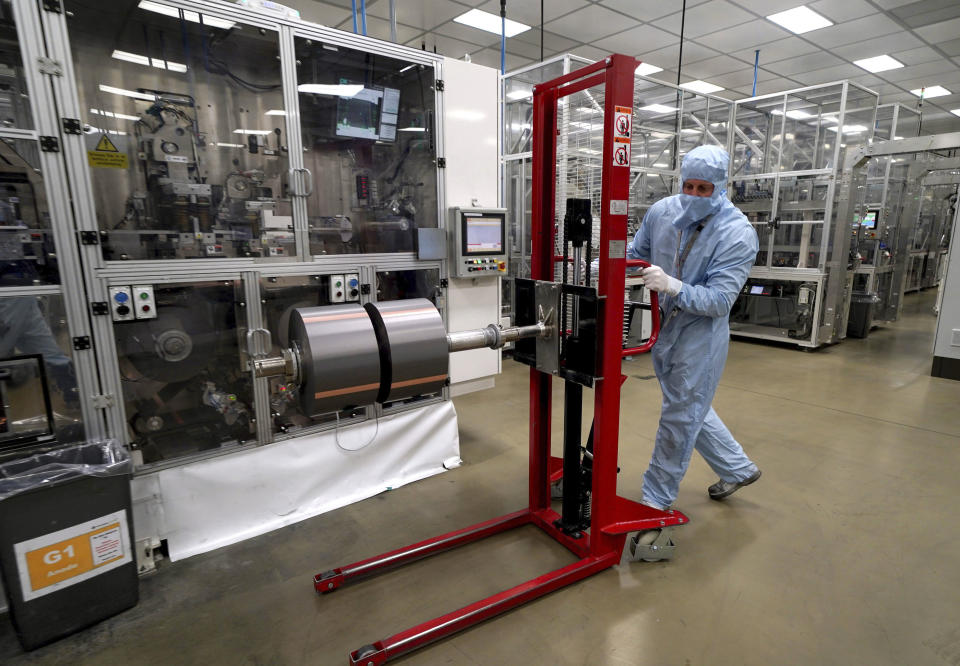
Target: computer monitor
483,235
869,220
370,114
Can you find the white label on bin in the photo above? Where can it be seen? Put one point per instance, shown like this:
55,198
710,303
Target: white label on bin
74,554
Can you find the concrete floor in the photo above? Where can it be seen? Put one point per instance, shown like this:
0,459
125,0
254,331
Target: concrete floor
847,551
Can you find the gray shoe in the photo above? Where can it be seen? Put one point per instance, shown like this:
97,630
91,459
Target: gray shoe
723,489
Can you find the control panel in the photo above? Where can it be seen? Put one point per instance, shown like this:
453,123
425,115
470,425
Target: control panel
345,288
121,304
337,289
136,302
478,242
144,306
352,286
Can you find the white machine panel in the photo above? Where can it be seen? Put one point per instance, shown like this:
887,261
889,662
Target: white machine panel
144,305
471,128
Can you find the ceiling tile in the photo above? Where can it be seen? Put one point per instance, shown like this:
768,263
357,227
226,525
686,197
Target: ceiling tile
773,86
890,4
804,63
767,7
927,69
778,50
940,32
377,27
491,58
707,18
917,56
453,48
951,48
528,12
467,34
928,12
590,52
828,74
424,14
856,30
887,89
714,66
551,40
642,39
749,34
591,23
900,41
742,79
667,57
524,49
645,10
843,10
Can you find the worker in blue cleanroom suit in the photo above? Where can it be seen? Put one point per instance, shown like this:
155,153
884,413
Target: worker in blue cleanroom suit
701,248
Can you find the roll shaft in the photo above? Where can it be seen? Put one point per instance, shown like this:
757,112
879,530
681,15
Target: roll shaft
494,337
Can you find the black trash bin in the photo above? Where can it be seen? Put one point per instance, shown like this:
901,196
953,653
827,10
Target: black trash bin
861,315
66,539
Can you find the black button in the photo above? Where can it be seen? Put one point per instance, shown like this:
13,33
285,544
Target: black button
123,310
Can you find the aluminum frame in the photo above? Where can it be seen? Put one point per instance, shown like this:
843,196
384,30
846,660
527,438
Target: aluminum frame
833,293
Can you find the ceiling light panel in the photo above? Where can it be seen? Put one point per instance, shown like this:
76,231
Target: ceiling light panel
701,87
657,108
879,63
482,20
646,69
931,91
800,20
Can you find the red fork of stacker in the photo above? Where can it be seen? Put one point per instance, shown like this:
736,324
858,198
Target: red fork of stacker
612,516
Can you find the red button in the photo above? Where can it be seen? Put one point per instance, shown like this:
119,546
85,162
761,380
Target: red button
146,308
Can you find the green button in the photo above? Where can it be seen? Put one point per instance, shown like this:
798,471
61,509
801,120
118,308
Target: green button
144,295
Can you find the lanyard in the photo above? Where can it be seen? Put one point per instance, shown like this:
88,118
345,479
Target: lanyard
679,260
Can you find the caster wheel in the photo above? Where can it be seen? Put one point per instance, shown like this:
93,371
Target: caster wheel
646,539
556,490
652,546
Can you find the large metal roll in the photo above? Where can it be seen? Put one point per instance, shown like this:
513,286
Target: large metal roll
413,346
339,357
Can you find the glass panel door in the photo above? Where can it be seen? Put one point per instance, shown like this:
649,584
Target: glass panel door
185,128
369,140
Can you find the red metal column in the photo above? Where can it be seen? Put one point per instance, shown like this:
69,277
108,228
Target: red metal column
542,249
615,187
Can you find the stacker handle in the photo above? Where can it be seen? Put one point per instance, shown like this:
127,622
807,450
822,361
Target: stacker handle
654,315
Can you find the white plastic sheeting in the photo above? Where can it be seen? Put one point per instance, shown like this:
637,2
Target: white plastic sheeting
213,503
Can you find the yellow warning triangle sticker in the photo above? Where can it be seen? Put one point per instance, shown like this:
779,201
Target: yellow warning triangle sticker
106,145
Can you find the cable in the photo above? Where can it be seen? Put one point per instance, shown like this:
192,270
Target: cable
336,435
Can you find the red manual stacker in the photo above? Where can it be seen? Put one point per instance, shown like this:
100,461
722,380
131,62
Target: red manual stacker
598,540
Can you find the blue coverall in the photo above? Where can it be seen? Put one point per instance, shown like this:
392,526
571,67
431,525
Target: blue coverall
690,354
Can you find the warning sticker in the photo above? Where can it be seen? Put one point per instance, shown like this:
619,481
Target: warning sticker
106,155
621,151
618,206
622,119
66,557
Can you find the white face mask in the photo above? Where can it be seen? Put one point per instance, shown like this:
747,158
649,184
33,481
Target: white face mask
696,208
